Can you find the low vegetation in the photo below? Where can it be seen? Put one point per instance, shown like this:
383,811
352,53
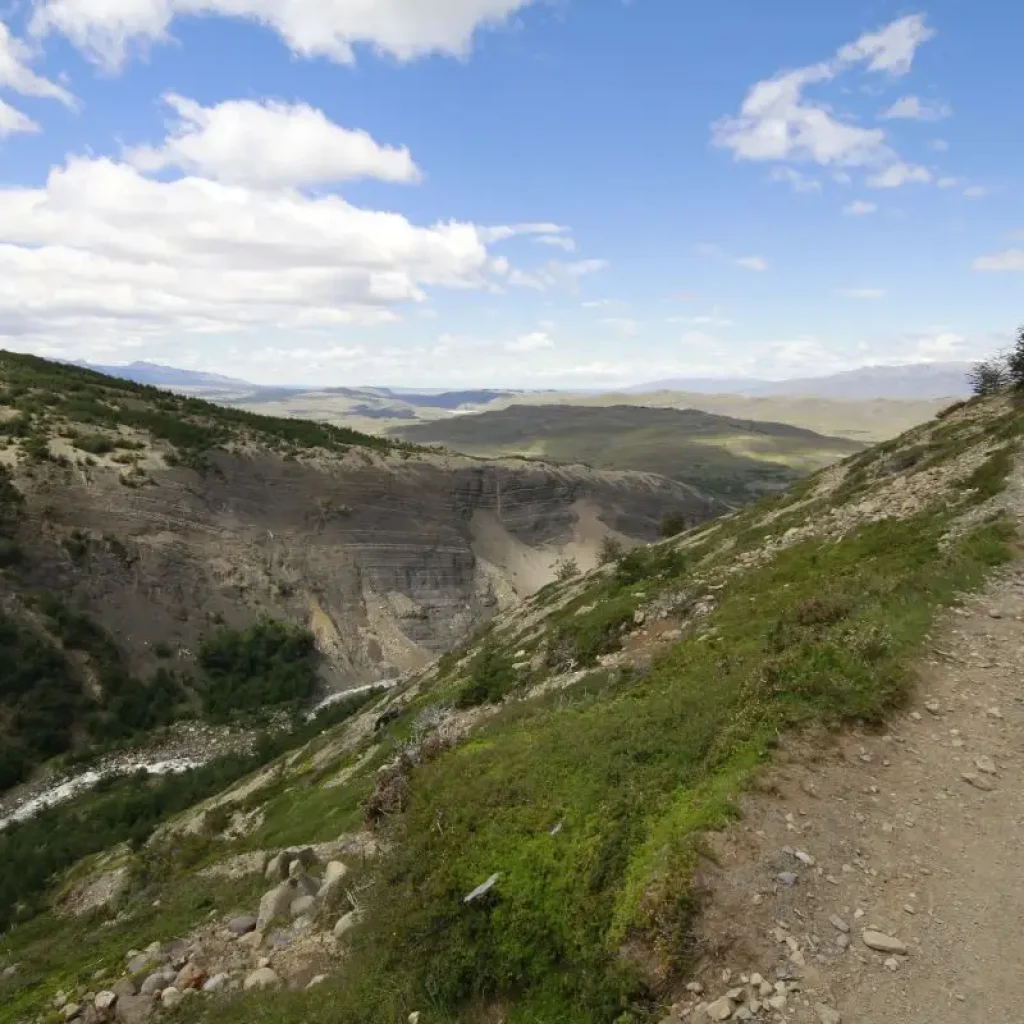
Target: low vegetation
733,460
127,809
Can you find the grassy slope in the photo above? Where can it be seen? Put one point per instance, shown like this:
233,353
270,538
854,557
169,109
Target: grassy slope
635,765
733,459
865,420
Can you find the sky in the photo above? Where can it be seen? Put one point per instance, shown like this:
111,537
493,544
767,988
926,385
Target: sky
512,193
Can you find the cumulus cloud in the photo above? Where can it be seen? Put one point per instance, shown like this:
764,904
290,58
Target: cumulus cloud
270,144
102,251
860,208
900,174
777,122
912,108
404,29
862,293
1010,259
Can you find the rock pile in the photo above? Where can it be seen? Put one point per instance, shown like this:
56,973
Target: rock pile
291,941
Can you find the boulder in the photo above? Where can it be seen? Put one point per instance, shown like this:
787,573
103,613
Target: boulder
261,979
303,905
170,998
125,987
346,923
141,962
242,925
133,1009
190,976
332,886
105,1000
278,866
217,983
275,903
71,1010
157,982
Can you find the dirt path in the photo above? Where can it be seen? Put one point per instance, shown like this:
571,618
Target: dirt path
917,833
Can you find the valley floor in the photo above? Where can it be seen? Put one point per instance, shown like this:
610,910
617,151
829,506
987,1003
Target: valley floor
914,832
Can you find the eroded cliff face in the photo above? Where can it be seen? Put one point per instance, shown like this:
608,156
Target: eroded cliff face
388,558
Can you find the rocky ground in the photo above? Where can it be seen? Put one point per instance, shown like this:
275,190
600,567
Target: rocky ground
877,880
292,939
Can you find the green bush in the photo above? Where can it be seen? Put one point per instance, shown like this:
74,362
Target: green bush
491,677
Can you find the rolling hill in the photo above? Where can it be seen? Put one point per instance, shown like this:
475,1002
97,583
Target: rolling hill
735,460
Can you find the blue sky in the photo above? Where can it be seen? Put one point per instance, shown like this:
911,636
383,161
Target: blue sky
510,192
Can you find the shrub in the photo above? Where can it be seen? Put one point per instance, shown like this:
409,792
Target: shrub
990,376
267,665
611,549
1015,362
566,569
491,676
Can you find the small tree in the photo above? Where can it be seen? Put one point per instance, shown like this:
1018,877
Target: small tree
611,549
566,569
1015,362
989,376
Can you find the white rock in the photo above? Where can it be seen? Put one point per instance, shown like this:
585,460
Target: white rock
262,978
985,764
170,998
805,858
346,924
104,1000
414,1017
883,943
720,1009
838,923
978,782
71,1010
217,983
319,979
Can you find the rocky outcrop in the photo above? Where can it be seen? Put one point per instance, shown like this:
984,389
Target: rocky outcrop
389,559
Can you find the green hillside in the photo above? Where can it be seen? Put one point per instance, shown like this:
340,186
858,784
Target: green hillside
736,460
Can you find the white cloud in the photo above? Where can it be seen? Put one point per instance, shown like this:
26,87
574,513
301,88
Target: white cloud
900,174
948,181
756,263
503,232
405,29
976,192
101,252
798,181
1011,259
911,108
775,123
270,144
938,146
860,208
558,241
556,274
16,74
778,123
533,342
862,293
14,121
891,48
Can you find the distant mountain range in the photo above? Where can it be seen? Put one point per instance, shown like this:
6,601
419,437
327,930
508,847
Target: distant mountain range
169,376
915,380
912,381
